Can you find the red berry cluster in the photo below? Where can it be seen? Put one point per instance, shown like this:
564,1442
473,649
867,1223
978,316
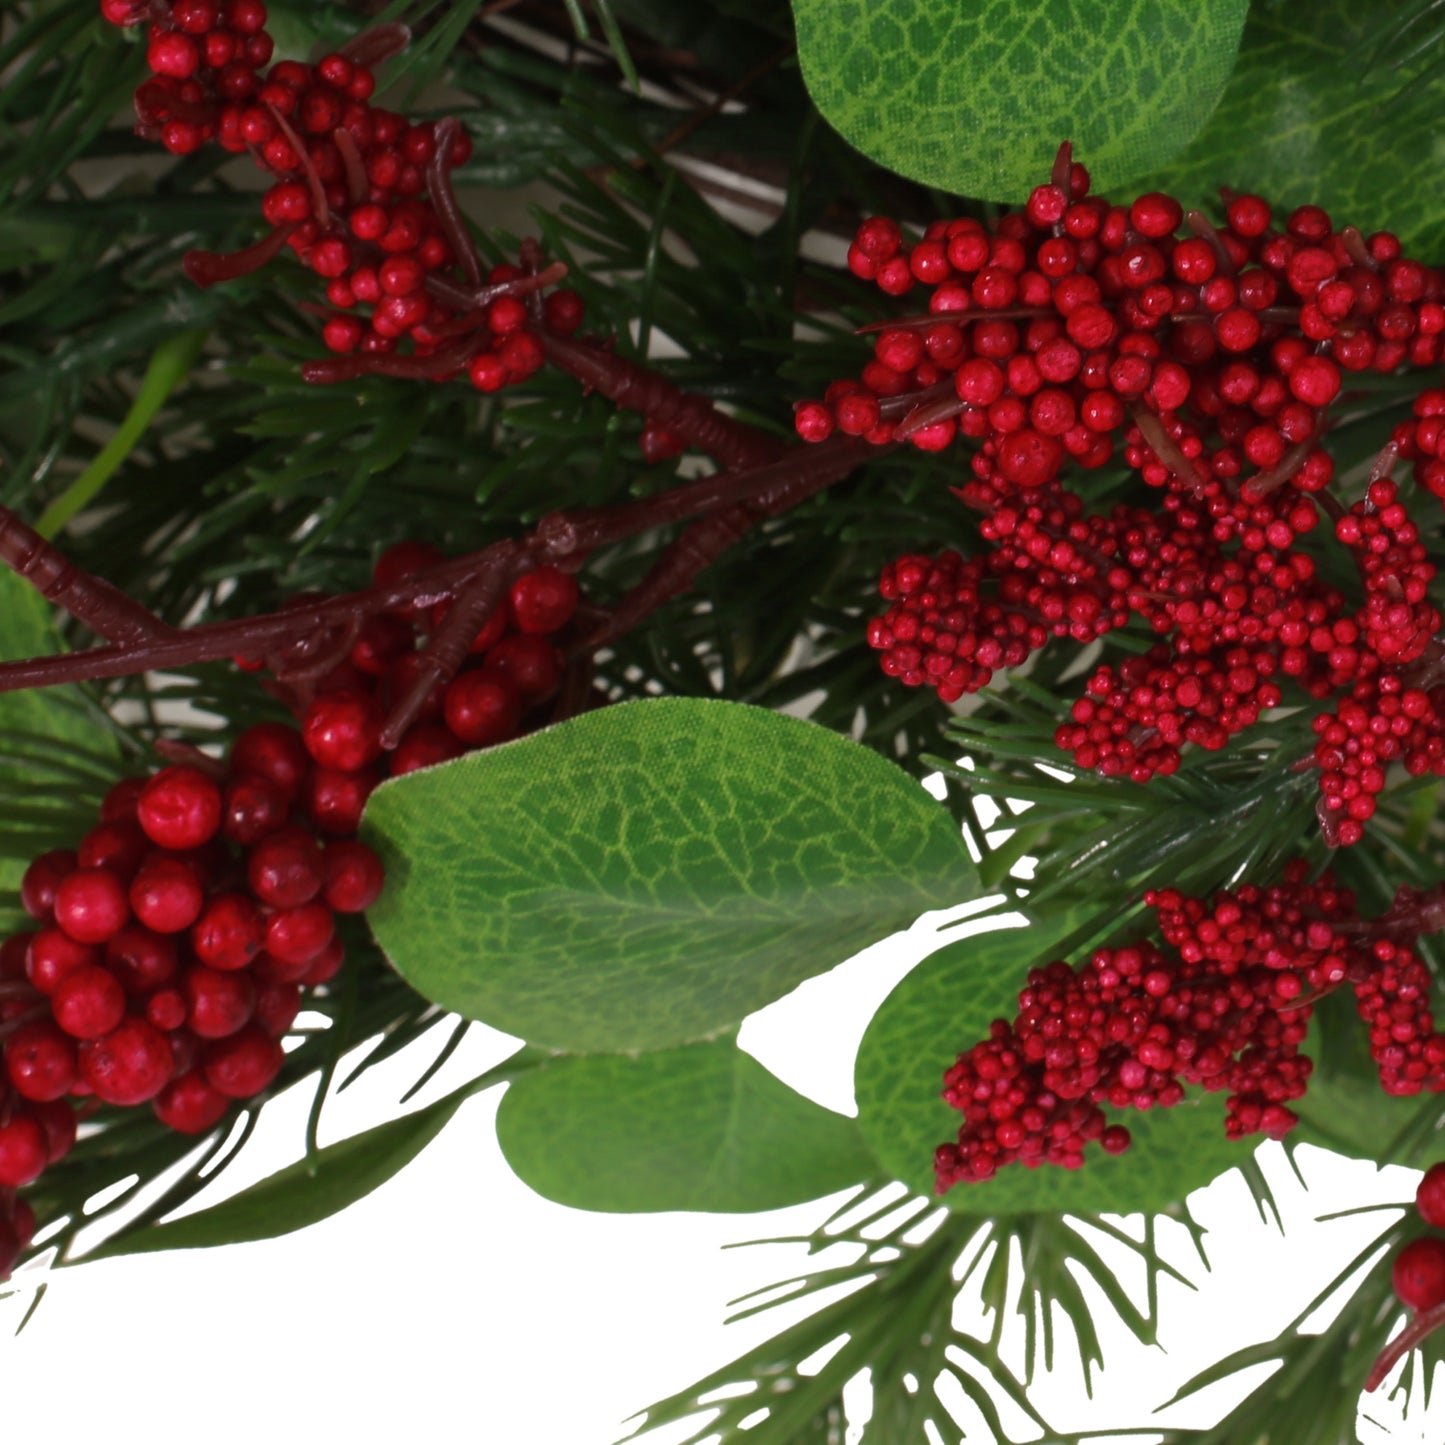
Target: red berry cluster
170,952
1076,325
513,669
1224,1005
350,196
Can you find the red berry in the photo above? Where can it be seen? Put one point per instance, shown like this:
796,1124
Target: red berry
342,730
57,1119
141,959
88,1002
180,807
1430,1196
167,895
354,877
326,965
482,708
335,800
544,600
40,1060
229,933
1418,1273
166,1009
91,905
423,746
217,1004
286,869
243,1064
23,1152
129,1065
297,935
272,751
405,559
253,807
277,1005
121,847
44,875
52,954
189,1105
531,663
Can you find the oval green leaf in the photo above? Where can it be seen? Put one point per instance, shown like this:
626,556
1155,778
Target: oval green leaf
648,874
974,96
705,1127
943,1007
1306,120
305,1192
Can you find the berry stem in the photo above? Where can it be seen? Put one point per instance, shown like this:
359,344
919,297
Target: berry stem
1425,1323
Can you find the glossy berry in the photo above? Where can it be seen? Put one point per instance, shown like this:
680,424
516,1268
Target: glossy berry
297,935
189,1105
354,877
180,807
1430,1196
167,895
40,1061
91,905
129,1065
286,869
229,933
342,730
1418,1273
88,1002
243,1064
217,1004
273,751
41,879
23,1152
482,709
544,600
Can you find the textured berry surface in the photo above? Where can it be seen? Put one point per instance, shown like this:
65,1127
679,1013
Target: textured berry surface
1418,1273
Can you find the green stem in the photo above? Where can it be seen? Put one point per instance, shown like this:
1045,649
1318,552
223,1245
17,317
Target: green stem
170,363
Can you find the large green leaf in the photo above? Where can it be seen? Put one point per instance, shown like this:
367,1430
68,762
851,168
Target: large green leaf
648,874
703,1127
974,96
943,1007
1303,121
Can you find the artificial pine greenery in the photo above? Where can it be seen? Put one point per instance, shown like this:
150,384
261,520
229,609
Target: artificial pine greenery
164,437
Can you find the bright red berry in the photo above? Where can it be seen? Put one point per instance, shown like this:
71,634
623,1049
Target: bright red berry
1418,1273
544,600
23,1152
91,905
129,1065
342,730
286,869
180,807
167,895
189,1105
244,1064
40,1060
1430,1197
88,1002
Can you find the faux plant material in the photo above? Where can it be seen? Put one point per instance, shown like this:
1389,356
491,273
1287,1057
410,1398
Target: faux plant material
704,1127
645,875
972,96
945,1004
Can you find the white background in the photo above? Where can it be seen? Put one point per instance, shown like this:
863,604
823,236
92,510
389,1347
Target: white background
454,1304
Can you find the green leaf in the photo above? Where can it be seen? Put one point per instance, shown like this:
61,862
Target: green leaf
650,873
943,1007
309,1190
974,96
703,1127
1302,122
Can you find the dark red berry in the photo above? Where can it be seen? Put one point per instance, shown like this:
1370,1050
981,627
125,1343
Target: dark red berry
189,1105
57,1119
286,869
277,1005
167,895
129,1065
1430,1197
297,935
334,801
354,876
229,933
23,1152
180,807
531,663
52,954
244,1064
119,847
342,730
141,959
217,1004
41,879
1418,1273
274,751
88,1002
40,1060
91,905
254,806
482,708
544,600
423,746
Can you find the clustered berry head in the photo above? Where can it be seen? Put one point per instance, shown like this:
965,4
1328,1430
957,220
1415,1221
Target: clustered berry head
1224,1004
350,194
1076,330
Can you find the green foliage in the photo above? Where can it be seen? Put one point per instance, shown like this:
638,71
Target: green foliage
314,1187
705,1127
1302,121
648,874
976,95
943,1007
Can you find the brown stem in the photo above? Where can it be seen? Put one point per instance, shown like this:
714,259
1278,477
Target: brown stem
209,268
475,601
319,207
380,43
1426,1322
103,608
1203,227
357,185
1165,447
444,202
635,387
